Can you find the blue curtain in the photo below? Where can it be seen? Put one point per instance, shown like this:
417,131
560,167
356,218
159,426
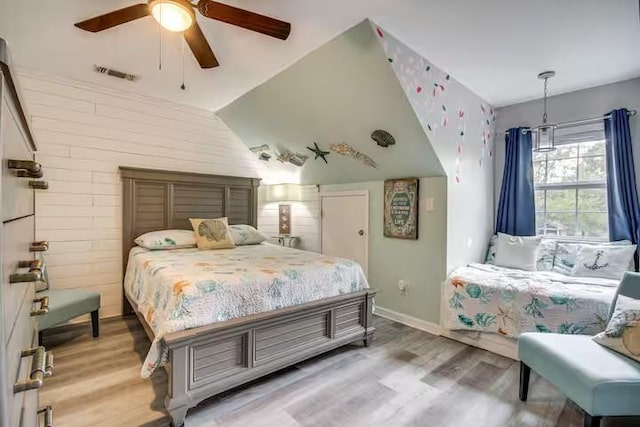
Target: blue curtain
622,198
516,209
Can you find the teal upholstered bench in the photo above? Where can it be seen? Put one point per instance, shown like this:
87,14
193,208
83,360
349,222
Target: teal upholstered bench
599,380
66,304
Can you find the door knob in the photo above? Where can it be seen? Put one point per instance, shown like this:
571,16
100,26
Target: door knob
361,232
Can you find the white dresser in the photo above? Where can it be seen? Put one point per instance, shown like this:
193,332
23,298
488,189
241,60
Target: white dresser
23,365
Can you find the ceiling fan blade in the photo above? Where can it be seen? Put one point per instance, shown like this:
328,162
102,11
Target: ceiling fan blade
245,19
112,19
200,47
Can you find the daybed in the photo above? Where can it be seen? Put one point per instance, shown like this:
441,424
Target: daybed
498,304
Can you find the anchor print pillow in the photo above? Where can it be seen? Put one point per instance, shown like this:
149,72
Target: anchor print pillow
212,233
622,334
606,261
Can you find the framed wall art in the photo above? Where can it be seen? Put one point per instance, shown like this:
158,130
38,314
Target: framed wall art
401,208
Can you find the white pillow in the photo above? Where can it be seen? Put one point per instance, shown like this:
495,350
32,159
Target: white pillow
167,239
517,251
244,234
606,261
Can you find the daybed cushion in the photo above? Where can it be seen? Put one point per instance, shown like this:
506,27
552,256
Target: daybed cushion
66,304
487,298
576,365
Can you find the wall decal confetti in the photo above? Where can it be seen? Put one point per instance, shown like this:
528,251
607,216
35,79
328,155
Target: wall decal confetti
459,125
461,130
379,31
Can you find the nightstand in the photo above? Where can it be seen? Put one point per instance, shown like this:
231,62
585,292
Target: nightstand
288,240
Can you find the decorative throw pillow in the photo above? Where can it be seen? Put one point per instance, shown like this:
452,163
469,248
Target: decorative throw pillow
245,234
606,261
166,239
517,251
546,253
212,233
566,255
622,334
491,250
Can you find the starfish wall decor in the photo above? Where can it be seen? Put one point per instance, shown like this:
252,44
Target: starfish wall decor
318,152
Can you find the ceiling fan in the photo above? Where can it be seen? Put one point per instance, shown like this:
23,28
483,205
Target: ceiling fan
178,16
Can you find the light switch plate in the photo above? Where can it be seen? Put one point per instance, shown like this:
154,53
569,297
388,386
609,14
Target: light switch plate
429,204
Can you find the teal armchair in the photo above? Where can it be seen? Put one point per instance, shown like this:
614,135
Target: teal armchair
600,381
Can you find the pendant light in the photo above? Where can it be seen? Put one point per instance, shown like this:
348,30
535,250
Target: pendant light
544,133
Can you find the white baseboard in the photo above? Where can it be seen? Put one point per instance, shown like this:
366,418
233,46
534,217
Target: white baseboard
405,319
494,343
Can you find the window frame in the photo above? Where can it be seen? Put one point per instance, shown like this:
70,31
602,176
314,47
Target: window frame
576,185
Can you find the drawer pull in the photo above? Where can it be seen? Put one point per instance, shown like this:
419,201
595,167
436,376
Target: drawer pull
34,274
39,185
28,174
31,276
41,367
48,415
44,306
27,165
42,246
33,264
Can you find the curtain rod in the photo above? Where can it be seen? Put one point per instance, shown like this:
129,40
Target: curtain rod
630,113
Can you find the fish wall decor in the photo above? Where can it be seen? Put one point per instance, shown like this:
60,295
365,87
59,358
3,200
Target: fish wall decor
349,151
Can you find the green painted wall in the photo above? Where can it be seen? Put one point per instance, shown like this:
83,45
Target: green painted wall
338,93
422,262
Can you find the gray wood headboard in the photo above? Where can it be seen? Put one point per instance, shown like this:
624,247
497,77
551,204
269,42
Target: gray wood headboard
161,200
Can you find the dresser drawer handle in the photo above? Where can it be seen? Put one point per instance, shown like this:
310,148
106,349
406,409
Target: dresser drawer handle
39,185
32,264
34,275
48,415
41,367
41,246
29,174
27,165
44,306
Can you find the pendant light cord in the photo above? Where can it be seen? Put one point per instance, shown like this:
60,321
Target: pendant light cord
544,115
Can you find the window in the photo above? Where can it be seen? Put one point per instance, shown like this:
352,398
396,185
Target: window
570,189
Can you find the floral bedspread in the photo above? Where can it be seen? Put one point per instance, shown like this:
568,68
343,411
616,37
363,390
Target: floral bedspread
186,288
486,298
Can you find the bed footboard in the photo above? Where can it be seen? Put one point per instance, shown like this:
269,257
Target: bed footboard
209,360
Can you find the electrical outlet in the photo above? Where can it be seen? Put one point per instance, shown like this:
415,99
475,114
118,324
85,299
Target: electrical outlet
402,286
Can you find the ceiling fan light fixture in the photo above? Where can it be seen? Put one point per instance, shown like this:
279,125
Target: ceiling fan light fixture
173,15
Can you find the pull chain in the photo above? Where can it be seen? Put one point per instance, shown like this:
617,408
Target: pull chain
160,40
182,86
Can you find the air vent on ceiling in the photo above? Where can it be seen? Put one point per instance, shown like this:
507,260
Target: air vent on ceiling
115,73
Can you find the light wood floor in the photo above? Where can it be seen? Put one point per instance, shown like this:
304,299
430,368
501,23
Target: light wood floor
406,378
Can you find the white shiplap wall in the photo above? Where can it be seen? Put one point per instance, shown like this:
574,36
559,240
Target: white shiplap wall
305,217
85,133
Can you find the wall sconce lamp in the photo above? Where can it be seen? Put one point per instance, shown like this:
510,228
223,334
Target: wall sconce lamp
284,193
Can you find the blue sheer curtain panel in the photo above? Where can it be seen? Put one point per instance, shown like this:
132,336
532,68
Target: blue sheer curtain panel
622,197
516,209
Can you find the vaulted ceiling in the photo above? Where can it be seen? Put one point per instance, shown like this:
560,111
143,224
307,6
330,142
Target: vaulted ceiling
494,47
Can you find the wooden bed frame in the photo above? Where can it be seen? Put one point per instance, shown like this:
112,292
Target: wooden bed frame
210,359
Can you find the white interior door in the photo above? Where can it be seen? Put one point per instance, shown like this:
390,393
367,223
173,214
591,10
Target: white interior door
345,226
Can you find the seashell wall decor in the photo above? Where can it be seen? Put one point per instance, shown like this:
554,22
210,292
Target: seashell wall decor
383,138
